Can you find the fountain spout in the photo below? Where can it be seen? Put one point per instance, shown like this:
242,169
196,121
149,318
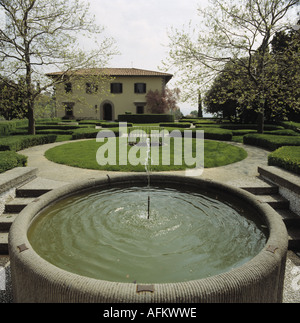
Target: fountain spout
147,166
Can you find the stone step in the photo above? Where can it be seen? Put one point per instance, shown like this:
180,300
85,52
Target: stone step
276,201
290,218
6,220
3,243
23,193
294,238
17,205
267,190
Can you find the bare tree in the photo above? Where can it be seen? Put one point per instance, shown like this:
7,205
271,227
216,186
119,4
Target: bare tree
239,33
39,36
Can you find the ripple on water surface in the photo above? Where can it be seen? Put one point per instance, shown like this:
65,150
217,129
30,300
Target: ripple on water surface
107,235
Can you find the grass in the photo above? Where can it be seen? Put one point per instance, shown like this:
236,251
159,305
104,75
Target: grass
83,155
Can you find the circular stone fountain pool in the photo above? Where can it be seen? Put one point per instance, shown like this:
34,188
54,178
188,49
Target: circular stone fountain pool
93,241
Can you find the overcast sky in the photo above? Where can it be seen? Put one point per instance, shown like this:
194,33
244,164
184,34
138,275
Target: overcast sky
140,28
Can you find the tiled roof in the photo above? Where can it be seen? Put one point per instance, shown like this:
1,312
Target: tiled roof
114,72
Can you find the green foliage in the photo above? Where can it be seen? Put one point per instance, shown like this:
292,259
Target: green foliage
271,142
88,133
237,126
176,124
113,124
217,134
287,158
234,47
146,118
291,125
10,160
16,143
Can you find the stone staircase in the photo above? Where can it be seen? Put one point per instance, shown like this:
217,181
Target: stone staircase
281,205
12,210
24,194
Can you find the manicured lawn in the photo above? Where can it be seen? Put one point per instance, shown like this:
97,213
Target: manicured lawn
83,155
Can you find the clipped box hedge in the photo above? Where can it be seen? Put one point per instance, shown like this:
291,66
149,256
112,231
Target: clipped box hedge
146,118
176,124
287,158
90,133
271,142
216,133
237,126
10,160
113,124
16,143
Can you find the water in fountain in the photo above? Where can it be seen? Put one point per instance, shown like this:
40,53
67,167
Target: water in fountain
106,235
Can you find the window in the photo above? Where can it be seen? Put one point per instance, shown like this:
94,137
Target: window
140,109
116,88
140,88
69,109
68,87
91,88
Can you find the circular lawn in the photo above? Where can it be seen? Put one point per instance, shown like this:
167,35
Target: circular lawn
83,154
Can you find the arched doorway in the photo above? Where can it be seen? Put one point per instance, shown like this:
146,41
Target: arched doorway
107,111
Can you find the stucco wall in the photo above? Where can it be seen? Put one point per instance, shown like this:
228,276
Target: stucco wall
85,104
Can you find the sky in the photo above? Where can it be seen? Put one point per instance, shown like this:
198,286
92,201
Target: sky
140,28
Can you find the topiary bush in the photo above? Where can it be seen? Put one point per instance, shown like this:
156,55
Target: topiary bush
216,133
146,118
287,158
10,160
271,142
176,124
16,143
90,133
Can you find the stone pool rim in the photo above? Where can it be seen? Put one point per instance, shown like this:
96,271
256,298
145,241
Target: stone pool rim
36,280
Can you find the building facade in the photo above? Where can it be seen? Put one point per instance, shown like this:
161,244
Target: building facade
103,94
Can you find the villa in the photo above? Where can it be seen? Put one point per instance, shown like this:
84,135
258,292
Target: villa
104,94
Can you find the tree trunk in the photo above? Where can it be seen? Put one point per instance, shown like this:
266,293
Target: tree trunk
200,112
31,120
260,122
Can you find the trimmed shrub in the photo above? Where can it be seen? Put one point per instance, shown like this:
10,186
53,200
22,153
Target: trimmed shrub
236,126
271,142
209,133
146,118
10,160
291,125
91,122
242,132
90,133
287,158
285,132
113,124
216,133
176,124
16,143
6,128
